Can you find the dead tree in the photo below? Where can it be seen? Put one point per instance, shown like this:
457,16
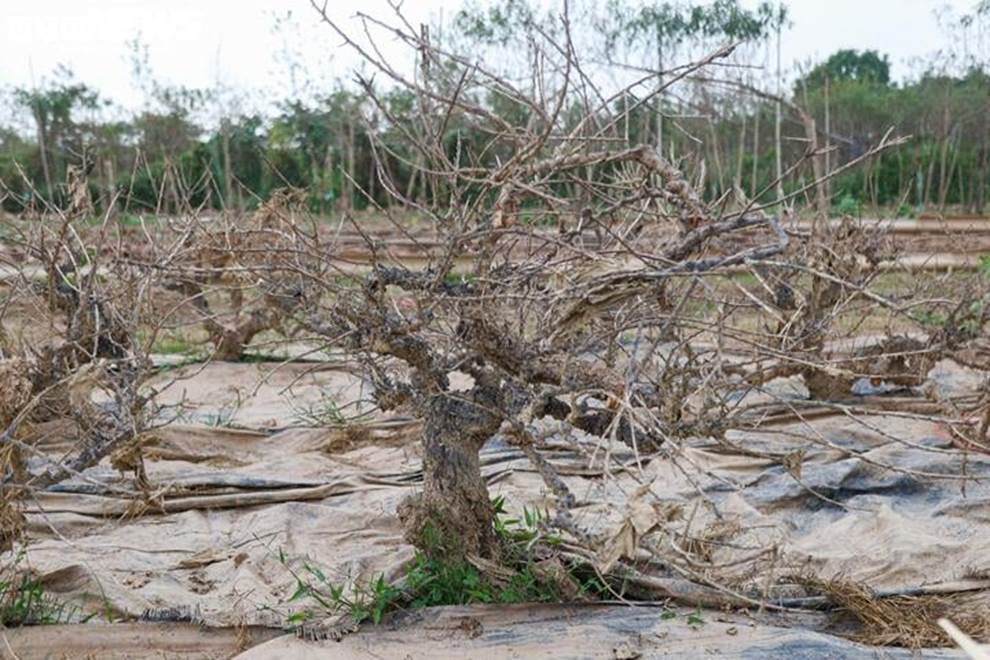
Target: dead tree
580,283
215,263
528,308
85,311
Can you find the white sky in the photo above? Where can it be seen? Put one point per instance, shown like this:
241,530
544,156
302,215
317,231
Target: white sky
198,42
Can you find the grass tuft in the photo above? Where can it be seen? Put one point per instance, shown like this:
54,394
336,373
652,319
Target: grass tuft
23,601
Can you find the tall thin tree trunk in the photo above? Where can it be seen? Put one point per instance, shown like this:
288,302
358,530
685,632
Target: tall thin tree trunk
756,154
777,124
928,178
828,141
411,186
323,177
716,155
43,151
817,163
945,167
740,154
228,178
659,93
349,185
625,106
110,176
943,153
981,195
372,176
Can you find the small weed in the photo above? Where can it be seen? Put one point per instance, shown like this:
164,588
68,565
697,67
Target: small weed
129,220
904,211
322,413
223,418
253,358
171,345
325,413
363,602
525,531
23,601
459,278
695,618
929,317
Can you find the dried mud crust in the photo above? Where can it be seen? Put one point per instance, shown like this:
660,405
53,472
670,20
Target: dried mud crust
592,631
132,641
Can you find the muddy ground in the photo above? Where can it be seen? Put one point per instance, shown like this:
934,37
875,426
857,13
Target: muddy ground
243,481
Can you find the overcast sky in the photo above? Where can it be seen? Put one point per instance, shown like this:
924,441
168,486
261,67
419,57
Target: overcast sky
198,42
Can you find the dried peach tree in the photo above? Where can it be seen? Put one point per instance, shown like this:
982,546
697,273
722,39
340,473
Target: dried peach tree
216,264
83,302
565,279
71,358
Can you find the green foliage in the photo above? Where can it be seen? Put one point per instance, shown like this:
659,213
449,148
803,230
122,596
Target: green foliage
53,107
965,322
674,23
968,321
222,419
497,23
848,205
867,66
520,534
164,159
904,211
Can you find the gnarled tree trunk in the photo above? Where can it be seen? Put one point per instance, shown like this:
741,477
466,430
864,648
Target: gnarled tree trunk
453,517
